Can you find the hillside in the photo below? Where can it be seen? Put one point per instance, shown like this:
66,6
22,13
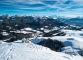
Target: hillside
17,27
39,38
28,51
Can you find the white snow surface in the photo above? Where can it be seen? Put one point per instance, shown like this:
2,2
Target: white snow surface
72,38
73,41
27,29
29,51
4,33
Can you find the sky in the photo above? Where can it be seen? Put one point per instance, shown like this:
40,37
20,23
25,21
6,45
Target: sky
67,8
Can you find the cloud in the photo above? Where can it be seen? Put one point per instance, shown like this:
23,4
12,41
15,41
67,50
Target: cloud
60,4
33,8
36,6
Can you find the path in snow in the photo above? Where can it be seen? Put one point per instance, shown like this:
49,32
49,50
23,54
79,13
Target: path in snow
26,51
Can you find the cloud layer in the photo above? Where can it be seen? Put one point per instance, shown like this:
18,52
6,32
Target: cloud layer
42,7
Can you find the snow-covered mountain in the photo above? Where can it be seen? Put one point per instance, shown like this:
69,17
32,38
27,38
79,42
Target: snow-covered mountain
31,51
39,38
77,21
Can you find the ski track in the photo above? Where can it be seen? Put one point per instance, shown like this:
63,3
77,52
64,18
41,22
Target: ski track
9,48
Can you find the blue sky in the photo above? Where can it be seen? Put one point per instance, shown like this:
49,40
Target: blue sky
68,8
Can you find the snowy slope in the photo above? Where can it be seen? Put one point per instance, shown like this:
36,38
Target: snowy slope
73,41
72,38
29,51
